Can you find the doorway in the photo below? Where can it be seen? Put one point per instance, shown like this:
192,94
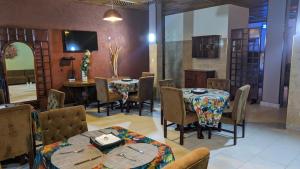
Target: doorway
20,72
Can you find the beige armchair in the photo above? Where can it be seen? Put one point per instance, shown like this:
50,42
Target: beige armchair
221,84
105,96
61,124
236,116
56,99
2,98
175,111
146,74
145,93
164,83
197,159
16,133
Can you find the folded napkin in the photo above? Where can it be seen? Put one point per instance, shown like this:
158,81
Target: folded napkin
106,139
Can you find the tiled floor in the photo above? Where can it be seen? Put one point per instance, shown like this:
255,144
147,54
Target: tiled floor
266,145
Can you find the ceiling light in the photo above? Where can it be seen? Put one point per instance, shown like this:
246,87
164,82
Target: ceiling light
112,15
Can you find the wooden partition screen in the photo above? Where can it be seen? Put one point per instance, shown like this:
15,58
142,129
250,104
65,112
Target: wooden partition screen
38,40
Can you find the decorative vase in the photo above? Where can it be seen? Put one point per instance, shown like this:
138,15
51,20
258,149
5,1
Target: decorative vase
84,76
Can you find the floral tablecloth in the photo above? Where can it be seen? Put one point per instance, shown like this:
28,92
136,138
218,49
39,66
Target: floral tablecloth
125,87
164,156
209,106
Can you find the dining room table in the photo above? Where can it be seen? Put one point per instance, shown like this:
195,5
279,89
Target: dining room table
124,87
209,104
137,151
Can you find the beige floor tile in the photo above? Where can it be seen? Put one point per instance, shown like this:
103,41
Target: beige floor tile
259,163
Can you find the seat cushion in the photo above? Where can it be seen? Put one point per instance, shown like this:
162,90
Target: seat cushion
191,117
114,96
134,98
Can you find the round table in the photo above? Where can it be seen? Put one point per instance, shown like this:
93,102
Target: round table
208,106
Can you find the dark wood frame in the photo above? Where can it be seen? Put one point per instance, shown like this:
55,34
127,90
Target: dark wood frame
206,46
39,41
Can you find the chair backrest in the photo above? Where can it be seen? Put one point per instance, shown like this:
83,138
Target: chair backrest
197,159
16,131
240,102
165,83
61,124
221,84
146,74
2,98
56,99
102,89
173,105
145,90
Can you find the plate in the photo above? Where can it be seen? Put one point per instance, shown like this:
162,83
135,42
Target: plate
199,91
126,80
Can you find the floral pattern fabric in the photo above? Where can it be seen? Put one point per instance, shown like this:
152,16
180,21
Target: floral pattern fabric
209,106
125,87
164,156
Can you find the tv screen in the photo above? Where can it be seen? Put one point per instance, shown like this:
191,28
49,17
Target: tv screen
79,41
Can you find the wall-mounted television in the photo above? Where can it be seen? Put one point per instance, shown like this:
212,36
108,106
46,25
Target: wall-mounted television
79,41
206,46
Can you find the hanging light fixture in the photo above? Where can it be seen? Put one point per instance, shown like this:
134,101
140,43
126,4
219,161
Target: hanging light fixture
112,15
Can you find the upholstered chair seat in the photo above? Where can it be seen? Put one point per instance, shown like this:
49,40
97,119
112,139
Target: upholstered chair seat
16,133
147,74
220,84
61,124
175,111
145,93
106,96
56,99
197,159
236,114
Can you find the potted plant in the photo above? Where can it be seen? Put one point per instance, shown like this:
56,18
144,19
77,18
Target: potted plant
85,65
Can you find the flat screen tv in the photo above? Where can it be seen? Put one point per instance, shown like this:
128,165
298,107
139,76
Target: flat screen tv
79,41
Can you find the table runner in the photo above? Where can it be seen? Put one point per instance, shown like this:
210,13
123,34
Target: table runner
164,156
209,106
124,87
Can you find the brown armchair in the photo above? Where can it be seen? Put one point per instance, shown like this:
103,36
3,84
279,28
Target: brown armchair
236,116
175,111
221,84
147,74
16,133
105,96
61,124
197,159
56,99
145,93
164,83
2,98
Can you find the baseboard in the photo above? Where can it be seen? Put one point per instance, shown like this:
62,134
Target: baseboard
293,127
267,104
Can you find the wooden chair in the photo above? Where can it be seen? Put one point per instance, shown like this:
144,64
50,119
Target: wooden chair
61,124
145,93
105,96
175,111
221,84
164,83
146,74
2,98
197,159
236,116
16,133
56,99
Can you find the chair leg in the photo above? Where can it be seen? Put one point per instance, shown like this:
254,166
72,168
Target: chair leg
112,106
121,105
199,130
107,109
219,127
98,105
243,127
127,106
209,132
140,108
30,159
151,105
181,134
161,116
234,134
0,166
165,128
